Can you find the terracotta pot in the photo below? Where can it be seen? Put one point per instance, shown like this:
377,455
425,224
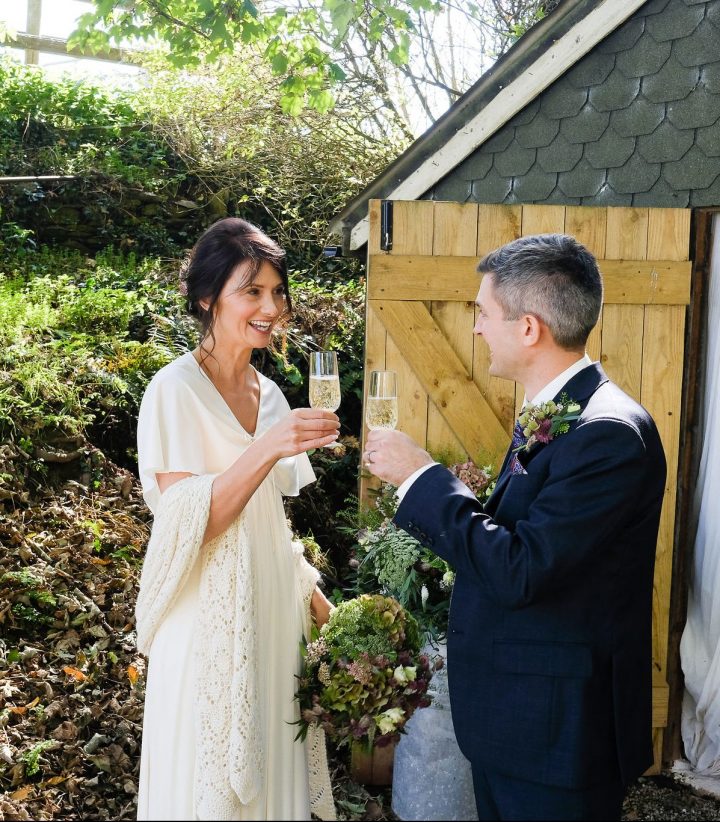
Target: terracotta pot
373,766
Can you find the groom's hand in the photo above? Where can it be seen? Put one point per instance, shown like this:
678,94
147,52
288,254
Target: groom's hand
393,456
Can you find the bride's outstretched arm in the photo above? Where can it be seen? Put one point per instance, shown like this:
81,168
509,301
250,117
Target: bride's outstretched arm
300,431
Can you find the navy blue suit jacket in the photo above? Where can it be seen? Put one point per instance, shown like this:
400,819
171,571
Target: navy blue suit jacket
549,637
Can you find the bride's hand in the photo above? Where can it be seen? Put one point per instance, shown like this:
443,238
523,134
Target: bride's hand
320,607
301,430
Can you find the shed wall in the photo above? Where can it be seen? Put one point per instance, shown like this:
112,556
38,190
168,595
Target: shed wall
636,122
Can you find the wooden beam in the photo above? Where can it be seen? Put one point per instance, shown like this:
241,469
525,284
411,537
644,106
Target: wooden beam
34,13
660,700
444,378
42,178
635,282
56,45
660,695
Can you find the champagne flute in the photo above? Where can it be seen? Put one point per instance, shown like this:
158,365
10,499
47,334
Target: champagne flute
324,382
382,402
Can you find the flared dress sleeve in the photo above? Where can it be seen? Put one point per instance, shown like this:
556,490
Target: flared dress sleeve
185,426
170,434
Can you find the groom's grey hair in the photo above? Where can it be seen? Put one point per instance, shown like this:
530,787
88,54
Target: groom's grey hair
551,276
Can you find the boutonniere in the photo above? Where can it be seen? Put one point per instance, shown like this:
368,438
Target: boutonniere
544,422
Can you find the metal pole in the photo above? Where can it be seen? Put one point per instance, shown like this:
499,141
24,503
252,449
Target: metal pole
41,178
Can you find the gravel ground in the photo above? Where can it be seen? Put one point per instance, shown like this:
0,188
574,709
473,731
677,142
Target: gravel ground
663,797
667,797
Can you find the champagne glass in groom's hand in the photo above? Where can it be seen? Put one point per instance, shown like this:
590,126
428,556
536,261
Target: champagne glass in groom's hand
382,401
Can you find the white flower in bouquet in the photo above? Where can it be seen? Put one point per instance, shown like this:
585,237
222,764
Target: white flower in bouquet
388,721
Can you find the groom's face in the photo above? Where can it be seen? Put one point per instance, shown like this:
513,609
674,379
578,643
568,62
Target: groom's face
501,335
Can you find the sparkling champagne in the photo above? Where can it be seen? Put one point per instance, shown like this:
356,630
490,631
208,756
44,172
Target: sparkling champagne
325,391
381,412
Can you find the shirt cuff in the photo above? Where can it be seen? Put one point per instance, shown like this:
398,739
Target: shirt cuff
405,486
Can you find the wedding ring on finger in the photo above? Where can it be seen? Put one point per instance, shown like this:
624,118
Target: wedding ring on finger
368,461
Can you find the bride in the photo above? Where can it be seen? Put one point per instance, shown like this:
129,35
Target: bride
225,593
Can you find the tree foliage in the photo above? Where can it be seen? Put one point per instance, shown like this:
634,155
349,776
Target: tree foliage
196,31
119,168
290,174
416,55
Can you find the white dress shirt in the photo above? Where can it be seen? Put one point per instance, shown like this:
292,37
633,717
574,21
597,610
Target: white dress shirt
543,395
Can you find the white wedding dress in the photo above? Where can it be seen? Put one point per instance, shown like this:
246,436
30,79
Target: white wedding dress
185,425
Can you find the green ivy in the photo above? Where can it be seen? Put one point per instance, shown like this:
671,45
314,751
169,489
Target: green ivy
31,758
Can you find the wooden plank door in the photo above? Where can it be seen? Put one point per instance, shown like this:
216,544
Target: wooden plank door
420,316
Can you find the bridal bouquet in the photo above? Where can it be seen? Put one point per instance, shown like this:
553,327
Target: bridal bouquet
363,674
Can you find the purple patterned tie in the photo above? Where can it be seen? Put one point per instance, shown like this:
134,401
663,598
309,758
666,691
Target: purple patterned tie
518,440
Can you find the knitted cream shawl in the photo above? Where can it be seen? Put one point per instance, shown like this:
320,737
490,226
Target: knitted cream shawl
230,743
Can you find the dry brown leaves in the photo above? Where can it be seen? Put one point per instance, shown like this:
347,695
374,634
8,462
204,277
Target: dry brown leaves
71,680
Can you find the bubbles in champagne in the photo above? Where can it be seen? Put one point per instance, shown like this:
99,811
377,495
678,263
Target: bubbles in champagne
381,412
325,392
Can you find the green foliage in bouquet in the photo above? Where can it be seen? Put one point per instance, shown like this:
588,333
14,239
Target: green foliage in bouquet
371,624
390,560
363,674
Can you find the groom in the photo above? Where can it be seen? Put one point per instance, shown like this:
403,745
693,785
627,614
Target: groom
549,636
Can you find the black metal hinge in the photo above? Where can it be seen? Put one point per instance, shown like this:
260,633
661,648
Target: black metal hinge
386,225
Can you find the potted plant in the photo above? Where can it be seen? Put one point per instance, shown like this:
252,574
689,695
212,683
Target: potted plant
431,775
363,677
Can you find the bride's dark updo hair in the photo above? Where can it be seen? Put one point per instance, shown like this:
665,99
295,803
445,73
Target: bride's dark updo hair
223,247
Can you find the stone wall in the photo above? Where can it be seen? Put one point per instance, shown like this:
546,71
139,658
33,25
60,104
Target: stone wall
90,213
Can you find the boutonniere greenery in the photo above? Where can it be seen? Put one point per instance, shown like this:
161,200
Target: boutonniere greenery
544,422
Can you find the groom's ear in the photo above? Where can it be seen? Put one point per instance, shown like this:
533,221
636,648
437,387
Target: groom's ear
532,329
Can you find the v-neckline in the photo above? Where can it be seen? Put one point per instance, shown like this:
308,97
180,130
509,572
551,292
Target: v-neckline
224,401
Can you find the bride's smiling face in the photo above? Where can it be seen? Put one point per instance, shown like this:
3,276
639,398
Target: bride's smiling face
246,312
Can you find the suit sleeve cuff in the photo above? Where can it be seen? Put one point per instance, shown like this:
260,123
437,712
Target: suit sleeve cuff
405,486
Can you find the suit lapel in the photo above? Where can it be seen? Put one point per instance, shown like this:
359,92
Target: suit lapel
584,384
579,388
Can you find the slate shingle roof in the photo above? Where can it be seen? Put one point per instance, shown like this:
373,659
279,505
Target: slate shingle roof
635,122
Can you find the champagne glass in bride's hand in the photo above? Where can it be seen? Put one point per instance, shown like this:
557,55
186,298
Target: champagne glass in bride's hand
382,402
324,382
